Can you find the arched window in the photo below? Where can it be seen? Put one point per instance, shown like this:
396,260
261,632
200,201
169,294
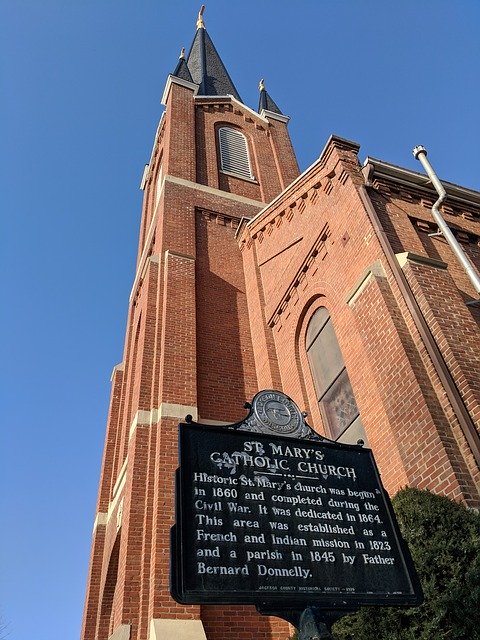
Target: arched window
234,157
334,392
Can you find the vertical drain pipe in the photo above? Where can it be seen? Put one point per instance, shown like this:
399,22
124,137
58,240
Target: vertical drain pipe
420,154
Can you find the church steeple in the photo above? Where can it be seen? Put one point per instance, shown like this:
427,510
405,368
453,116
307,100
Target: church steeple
223,143
181,70
205,66
266,103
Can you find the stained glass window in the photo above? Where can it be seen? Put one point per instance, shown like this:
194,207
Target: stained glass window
334,392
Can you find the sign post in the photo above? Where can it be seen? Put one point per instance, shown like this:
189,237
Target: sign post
288,524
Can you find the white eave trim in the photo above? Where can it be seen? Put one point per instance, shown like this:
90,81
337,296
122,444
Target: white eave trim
143,182
183,83
117,367
100,520
271,115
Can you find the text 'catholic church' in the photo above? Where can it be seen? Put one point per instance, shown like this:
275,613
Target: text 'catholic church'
334,286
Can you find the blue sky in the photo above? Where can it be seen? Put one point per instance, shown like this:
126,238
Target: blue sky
81,86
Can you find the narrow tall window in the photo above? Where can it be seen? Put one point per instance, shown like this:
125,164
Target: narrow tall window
334,392
234,156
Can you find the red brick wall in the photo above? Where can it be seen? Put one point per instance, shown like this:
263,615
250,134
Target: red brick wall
311,248
226,369
187,343
271,154
229,623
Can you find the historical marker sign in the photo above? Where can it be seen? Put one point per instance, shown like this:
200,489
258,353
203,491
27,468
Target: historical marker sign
270,519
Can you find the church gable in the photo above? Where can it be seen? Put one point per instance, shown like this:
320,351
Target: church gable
294,235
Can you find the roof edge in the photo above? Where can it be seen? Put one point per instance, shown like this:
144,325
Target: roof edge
174,80
271,115
332,140
407,177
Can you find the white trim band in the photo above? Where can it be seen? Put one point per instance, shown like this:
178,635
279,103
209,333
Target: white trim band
100,521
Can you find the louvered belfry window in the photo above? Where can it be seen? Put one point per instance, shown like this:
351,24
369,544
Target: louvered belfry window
234,156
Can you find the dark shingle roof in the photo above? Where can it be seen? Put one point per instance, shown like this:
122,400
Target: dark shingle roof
181,70
204,66
266,101
207,68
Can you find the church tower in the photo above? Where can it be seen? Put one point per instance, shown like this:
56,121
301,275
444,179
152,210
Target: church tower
188,346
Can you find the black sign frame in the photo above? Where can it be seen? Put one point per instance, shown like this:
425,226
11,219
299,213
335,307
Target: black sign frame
194,437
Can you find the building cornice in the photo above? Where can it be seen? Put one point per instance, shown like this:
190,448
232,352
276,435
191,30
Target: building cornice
332,142
382,171
225,99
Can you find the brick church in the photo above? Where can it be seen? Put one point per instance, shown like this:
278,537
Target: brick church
334,286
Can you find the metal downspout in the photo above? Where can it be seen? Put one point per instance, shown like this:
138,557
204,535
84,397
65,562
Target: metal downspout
420,154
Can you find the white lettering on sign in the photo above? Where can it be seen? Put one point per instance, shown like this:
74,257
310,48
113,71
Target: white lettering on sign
282,516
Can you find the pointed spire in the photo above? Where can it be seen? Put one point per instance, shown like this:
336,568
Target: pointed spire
266,103
205,65
181,70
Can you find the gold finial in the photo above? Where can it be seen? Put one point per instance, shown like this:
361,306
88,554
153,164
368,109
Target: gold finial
200,22
182,53
261,85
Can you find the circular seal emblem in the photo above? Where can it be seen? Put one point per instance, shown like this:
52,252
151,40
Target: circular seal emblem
277,412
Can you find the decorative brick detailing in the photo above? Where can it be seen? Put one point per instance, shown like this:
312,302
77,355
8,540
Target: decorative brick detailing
316,254
415,437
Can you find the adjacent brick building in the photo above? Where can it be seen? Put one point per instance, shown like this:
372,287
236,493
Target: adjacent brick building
332,286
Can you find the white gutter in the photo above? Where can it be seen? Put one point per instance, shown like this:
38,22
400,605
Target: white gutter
420,154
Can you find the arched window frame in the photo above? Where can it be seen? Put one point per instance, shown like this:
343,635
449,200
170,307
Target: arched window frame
234,153
334,394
